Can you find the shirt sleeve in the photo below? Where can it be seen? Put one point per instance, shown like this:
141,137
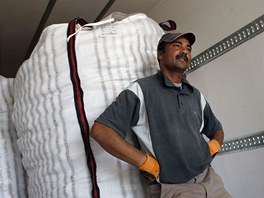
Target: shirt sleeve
122,114
211,123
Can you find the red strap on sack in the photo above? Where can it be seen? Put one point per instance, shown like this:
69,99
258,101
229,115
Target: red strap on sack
168,25
79,104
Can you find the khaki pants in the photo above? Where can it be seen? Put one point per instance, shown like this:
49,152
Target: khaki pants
206,185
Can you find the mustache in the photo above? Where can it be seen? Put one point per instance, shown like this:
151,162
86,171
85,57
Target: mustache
183,56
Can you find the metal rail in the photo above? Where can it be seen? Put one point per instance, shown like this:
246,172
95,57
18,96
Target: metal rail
249,142
242,35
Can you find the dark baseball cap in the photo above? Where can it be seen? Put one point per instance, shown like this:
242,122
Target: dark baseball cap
170,37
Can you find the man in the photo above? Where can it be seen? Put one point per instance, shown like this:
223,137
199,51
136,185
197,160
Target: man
169,118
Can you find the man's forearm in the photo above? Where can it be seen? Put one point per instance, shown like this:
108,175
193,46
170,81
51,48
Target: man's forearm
218,136
116,146
215,142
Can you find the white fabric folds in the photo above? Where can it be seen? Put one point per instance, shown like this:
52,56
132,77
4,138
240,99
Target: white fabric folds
109,57
12,174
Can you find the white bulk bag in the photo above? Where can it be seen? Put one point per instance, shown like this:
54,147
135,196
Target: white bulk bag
109,57
12,174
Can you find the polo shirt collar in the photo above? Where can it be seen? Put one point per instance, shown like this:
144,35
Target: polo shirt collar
186,87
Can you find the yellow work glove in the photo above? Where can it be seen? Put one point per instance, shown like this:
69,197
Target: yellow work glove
214,146
151,166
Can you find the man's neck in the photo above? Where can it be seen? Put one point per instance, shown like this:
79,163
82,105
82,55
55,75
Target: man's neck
175,77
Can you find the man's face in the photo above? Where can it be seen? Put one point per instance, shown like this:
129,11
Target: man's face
176,55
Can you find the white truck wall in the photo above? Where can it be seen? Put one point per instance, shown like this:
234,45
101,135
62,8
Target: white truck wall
232,83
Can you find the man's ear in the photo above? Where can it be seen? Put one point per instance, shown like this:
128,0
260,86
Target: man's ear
160,55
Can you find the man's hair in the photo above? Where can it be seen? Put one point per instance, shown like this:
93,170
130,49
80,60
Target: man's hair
161,47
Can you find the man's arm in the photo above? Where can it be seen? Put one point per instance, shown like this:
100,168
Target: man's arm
216,141
118,147
218,136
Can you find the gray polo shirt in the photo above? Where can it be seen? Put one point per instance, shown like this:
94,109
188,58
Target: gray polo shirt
168,122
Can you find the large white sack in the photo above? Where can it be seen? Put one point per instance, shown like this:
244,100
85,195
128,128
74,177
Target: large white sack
109,57
12,174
